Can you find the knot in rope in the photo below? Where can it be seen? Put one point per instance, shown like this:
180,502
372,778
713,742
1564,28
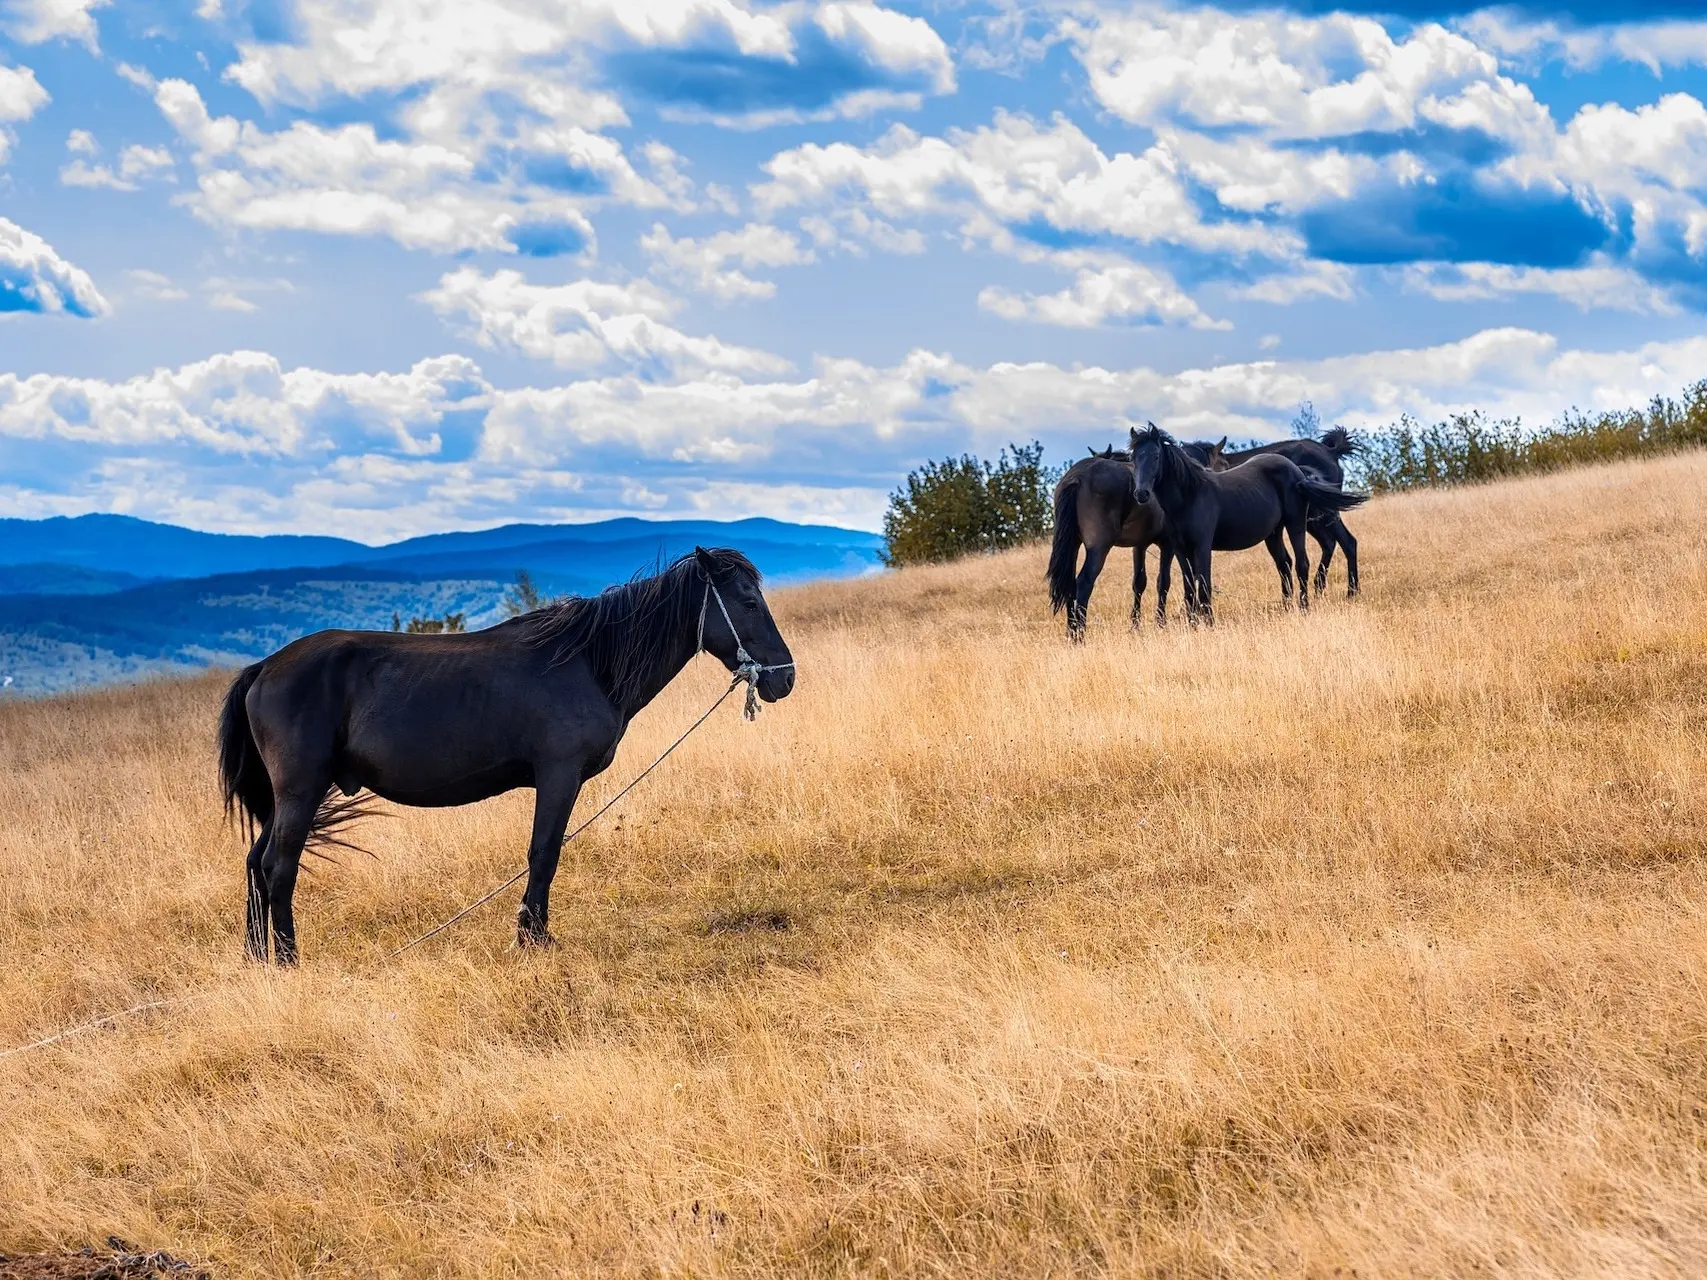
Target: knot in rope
747,667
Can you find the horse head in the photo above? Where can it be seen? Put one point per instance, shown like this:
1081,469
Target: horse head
736,621
1148,459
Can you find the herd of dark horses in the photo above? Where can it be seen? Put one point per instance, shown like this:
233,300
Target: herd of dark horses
542,700
1191,500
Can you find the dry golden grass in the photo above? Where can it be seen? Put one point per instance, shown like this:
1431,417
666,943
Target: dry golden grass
1369,942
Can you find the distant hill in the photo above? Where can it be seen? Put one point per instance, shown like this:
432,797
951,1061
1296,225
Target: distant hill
146,550
62,580
90,615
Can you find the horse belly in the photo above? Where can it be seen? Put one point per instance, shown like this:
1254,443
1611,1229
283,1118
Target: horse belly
443,792
1238,529
405,759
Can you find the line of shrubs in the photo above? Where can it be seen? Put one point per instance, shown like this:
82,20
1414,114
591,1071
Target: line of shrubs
1471,448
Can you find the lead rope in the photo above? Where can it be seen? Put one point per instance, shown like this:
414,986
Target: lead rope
747,671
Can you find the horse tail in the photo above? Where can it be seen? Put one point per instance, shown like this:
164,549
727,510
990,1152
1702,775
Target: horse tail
242,775
1325,497
1340,442
1064,551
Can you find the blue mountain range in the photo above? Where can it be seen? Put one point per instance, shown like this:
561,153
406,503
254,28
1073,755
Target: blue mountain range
92,599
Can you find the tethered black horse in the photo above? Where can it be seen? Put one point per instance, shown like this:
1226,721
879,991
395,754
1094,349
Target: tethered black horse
539,701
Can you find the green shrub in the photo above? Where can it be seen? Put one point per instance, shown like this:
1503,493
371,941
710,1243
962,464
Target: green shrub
524,596
434,626
966,504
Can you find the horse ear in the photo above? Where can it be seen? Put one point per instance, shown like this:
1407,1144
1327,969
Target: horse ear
1132,434
707,565
1222,447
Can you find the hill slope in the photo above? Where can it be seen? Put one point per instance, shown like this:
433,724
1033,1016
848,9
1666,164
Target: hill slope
1369,942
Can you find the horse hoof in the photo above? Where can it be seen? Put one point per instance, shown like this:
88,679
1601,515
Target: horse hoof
527,940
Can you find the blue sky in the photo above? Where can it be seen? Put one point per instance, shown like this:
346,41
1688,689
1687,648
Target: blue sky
384,267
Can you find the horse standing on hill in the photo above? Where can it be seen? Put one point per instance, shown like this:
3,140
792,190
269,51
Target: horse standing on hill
1095,507
1209,511
539,701
1322,459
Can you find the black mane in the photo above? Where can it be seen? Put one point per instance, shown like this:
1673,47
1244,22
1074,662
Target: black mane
628,632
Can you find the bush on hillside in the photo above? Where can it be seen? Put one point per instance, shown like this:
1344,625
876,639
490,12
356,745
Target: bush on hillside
432,626
1470,447
966,504
524,596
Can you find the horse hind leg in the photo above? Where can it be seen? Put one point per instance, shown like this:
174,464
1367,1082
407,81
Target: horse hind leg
1283,565
1096,553
1327,537
1343,534
255,897
293,819
1301,553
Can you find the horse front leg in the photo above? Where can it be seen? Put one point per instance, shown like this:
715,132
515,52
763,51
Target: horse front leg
1202,586
555,793
1096,553
1164,580
1140,579
1283,564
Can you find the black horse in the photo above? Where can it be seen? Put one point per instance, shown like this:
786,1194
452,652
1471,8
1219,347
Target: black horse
1095,507
1230,510
1322,459
539,701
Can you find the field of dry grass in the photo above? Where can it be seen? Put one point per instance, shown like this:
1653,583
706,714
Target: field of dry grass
1370,942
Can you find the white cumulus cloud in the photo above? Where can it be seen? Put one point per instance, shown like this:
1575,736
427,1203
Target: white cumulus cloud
1108,294
33,278
714,264
587,324
34,21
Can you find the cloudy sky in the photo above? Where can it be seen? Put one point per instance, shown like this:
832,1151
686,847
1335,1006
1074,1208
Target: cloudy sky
381,267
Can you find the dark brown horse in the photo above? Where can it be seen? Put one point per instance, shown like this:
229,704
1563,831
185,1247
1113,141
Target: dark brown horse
1322,459
1095,508
1207,511
539,701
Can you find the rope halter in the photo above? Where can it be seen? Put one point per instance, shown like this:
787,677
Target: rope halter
747,667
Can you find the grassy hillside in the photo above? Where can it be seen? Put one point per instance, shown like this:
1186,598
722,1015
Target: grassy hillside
1371,942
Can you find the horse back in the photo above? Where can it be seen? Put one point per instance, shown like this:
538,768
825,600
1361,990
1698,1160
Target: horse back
1308,455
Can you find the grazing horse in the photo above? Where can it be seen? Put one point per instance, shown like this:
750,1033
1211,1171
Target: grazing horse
1230,510
1319,458
539,701
1094,506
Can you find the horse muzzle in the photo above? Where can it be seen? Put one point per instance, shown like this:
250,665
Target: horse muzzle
1142,496
776,685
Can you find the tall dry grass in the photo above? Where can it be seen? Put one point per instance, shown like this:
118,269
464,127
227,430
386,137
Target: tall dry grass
1371,942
